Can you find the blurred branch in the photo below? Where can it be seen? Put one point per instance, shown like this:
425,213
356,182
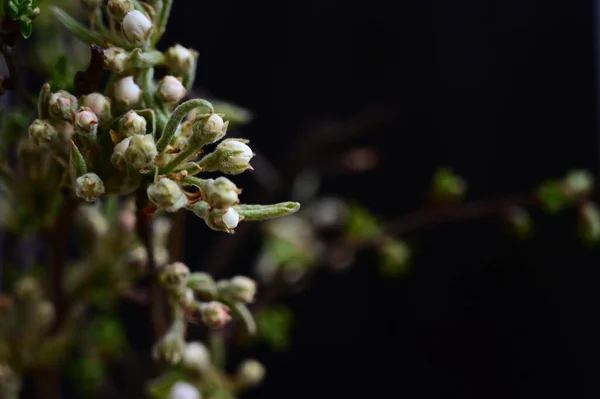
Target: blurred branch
9,32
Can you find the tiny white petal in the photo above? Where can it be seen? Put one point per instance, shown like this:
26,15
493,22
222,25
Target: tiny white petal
231,218
183,390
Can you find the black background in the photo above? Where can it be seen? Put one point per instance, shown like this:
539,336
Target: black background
501,91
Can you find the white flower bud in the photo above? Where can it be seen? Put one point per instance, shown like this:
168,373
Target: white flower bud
221,193
239,288
170,90
42,132
116,59
183,390
131,124
62,105
141,151
231,218
99,104
170,347
180,60
167,194
231,156
119,8
196,357
175,274
250,373
118,156
209,130
215,314
86,122
137,28
89,187
127,91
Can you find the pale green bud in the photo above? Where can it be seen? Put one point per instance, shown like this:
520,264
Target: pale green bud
221,193
99,104
215,314
127,91
209,130
196,357
170,90
42,132
203,284
141,151
250,373
180,61
170,347
118,156
578,183
119,8
174,274
116,59
28,288
184,390
137,28
89,187
239,288
44,314
132,123
86,122
62,105
231,156
167,194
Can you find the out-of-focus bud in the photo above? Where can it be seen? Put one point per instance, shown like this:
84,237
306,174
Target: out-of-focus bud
174,274
221,193
448,186
196,357
250,373
86,122
89,187
578,184
42,132
91,221
180,61
116,59
118,156
127,91
137,28
127,218
45,314
184,390
167,194
119,8
65,130
231,156
99,104
131,124
215,314
239,288
589,223
62,105
170,90
203,284
170,347
141,151
28,288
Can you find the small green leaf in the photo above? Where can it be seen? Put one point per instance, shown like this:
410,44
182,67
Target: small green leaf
394,257
274,326
552,197
43,101
361,224
245,315
235,114
447,186
263,212
26,27
78,30
61,75
77,165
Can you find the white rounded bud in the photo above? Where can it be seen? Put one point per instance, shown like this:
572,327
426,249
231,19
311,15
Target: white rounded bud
184,390
127,91
61,105
175,274
221,193
231,218
231,156
119,8
89,187
42,132
180,60
117,158
137,28
116,59
241,288
170,90
215,314
131,124
141,151
209,130
167,194
196,357
86,122
99,104
250,373
241,153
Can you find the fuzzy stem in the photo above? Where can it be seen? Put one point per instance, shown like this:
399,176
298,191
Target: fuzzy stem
176,117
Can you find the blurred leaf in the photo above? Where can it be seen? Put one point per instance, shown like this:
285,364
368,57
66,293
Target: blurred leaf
552,197
235,114
361,223
61,77
160,387
394,258
88,373
448,186
589,223
274,326
107,335
285,252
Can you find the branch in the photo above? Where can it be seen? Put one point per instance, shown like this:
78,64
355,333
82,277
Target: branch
9,32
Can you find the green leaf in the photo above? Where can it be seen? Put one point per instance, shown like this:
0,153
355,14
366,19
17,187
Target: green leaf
448,186
552,197
274,326
26,27
245,315
78,30
394,258
87,372
235,114
43,101
361,224
264,212
77,165
61,76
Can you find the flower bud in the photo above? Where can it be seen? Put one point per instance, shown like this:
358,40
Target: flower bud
221,193
137,28
61,106
89,187
215,314
231,156
28,288
44,314
119,8
127,220
196,357
99,104
175,274
118,156
250,373
239,288
91,221
203,284
184,390
578,183
221,220
167,194
209,130
86,122
170,347
116,59
170,90
141,151
127,91
42,132
180,60
131,124
230,218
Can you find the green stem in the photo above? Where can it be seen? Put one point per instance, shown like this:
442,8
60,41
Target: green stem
180,158
176,117
217,349
162,21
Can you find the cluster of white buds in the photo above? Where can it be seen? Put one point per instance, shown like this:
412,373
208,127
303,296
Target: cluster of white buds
180,60
141,151
61,105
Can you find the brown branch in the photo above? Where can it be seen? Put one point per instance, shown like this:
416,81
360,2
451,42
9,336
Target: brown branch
9,33
88,81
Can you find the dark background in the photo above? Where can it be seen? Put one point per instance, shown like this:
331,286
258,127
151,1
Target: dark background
501,91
